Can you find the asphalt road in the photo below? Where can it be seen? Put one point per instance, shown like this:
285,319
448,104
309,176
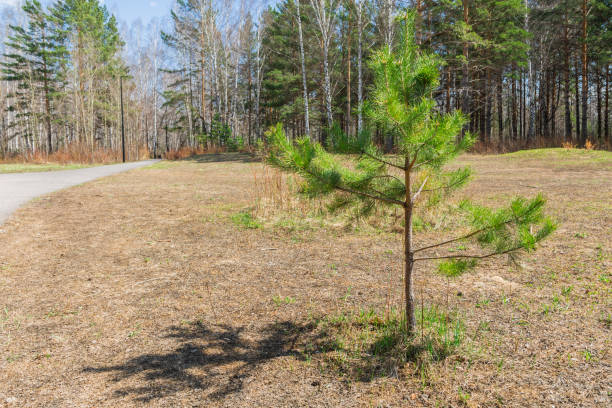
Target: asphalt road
19,188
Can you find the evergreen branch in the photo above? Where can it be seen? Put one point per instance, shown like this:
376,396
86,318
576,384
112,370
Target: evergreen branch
385,176
383,161
359,193
447,187
525,216
383,194
417,165
471,234
420,146
469,256
383,198
412,163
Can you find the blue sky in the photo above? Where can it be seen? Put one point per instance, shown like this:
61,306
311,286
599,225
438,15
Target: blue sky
131,10
126,10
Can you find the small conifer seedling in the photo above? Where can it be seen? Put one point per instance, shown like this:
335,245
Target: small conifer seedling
401,105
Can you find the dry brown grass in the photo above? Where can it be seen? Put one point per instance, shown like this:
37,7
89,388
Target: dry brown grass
568,145
276,194
139,290
540,143
187,152
73,153
279,203
83,154
589,145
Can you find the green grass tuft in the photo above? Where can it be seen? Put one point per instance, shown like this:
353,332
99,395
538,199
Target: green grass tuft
246,220
279,300
366,344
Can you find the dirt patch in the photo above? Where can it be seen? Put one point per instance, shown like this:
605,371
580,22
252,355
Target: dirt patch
141,290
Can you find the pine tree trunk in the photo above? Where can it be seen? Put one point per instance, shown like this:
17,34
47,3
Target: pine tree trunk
448,89
359,65
167,140
500,108
546,110
531,108
606,110
554,103
577,91
525,118
521,105
190,125
514,110
541,104
408,256
483,108
566,80
598,83
489,102
585,77
465,80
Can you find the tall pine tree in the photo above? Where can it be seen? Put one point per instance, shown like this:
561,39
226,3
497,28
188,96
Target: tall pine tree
36,60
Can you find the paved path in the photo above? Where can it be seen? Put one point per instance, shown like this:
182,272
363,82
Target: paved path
19,188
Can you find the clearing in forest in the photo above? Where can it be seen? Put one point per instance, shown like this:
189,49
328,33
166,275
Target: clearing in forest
171,286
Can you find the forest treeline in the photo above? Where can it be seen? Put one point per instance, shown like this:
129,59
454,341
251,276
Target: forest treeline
217,74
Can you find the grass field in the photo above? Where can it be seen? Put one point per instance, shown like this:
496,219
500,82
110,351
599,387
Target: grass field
27,167
171,286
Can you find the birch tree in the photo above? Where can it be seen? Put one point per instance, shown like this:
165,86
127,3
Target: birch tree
260,60
303,63
325,14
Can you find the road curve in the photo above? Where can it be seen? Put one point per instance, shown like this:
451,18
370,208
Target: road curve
19,188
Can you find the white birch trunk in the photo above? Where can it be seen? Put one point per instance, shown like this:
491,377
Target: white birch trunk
324,13
259,78
304,82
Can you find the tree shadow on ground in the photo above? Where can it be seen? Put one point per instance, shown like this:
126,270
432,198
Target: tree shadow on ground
224,158
219,360
216,359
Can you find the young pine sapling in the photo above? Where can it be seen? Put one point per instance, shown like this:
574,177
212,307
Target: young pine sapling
401,105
